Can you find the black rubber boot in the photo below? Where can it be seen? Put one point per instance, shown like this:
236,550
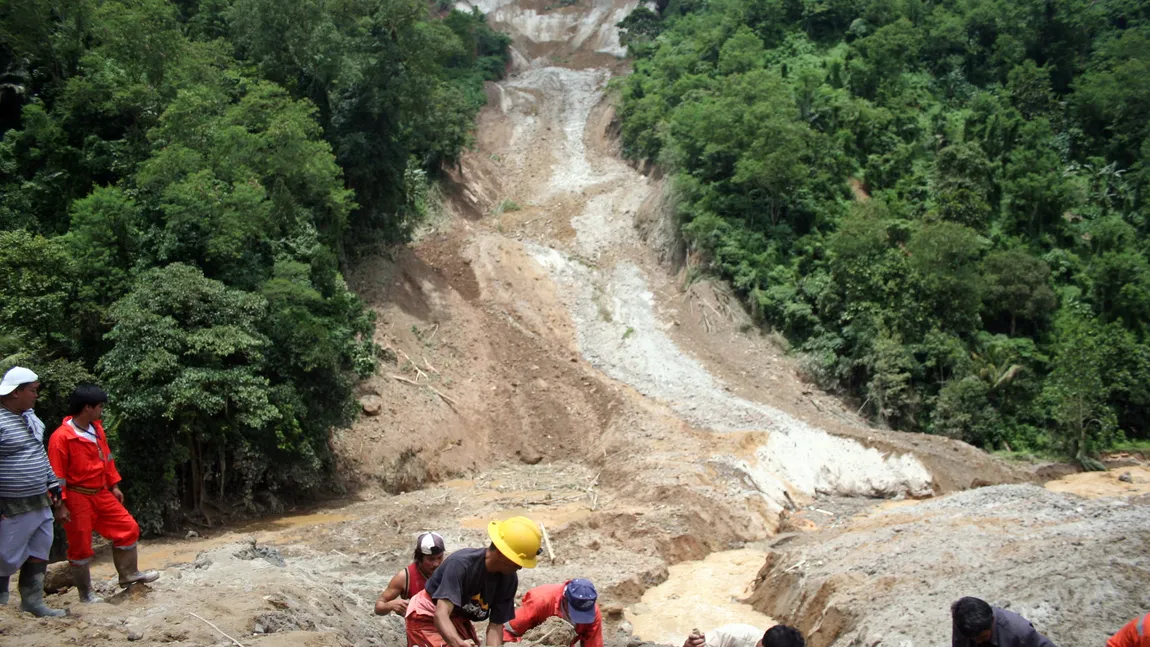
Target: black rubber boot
127,565
31,586
82,578
3,590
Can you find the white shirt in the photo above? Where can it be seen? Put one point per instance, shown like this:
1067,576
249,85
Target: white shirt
88,434
734,635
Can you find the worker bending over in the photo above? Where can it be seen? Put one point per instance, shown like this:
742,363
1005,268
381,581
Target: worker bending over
977,623
574,601
429,554
740,635
473,585
1136,633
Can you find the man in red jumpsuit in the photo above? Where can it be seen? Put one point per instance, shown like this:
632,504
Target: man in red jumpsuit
574,601
80,456
1136,633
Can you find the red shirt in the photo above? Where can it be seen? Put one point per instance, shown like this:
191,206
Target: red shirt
1136,633
416,582
79,461
543,602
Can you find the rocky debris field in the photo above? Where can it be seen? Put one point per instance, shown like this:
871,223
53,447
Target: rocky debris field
1076,567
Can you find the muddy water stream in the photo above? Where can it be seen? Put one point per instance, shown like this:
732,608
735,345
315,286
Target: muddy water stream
701,594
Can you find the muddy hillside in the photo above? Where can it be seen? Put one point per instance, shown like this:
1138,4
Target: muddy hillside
551,359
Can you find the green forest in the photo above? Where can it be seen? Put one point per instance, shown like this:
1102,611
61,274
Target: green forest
182,184
943,206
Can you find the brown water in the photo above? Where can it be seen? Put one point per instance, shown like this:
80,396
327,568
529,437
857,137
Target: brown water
1094,485
701,594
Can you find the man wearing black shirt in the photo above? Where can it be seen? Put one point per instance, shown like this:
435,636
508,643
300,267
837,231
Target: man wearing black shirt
473,585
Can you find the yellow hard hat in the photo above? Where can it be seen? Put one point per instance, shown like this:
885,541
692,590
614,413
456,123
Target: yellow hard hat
518,538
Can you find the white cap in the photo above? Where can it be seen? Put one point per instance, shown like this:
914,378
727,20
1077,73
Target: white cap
430,543
16,376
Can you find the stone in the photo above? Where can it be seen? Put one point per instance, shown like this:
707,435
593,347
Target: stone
58,578
133,636
529,456
1126,477
372,405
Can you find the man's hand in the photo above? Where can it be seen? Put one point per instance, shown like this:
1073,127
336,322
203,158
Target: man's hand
62,513
467,643
398,606
695,640
117,493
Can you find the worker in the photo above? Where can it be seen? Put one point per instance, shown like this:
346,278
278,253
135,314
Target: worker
30,494
1136,633
473,585
742,635
429,554
977,623
80,455
574,601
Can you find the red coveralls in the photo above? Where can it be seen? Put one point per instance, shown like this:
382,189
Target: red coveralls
88,472
541,603
1136,633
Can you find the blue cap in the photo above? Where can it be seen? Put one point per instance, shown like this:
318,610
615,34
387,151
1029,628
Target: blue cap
581,598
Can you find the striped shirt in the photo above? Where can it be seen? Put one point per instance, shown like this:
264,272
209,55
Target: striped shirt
24,468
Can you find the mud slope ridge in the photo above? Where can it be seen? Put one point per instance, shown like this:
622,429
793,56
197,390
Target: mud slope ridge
1075,568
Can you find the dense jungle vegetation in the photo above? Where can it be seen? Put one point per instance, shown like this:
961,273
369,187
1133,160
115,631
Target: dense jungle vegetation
181,183
942,205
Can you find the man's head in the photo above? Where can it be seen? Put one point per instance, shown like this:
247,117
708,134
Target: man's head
973,619
515,543
19,389
87,402
782,636
429,552
579,601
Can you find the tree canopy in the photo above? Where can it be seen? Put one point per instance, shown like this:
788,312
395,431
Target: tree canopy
182,183
943,204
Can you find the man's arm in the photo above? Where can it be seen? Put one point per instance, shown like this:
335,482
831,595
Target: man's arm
111,475
56,464
591,635
58,457
1035,639
389,601
530,614
443,609
494,634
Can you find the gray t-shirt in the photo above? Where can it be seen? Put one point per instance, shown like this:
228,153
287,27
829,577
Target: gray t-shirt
477,594
1009,630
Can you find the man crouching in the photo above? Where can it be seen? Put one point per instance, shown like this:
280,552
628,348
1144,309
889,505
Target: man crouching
473,585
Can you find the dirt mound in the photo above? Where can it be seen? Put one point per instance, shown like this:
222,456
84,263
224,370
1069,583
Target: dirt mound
554,632
1077,568
235,587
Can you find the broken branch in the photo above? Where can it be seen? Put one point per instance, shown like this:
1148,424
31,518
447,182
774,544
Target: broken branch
451,403
418,371
221,632
547,542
